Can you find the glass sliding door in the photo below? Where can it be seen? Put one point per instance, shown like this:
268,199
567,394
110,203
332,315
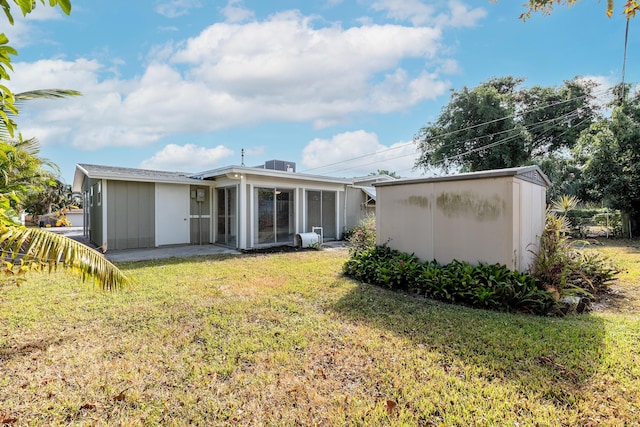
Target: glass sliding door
284,216
227,219
265,216
274,216
321,212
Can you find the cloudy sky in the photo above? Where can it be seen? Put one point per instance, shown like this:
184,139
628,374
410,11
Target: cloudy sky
338,86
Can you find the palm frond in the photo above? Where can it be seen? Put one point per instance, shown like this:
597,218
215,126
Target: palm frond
46,94
43,249
9,110
565,203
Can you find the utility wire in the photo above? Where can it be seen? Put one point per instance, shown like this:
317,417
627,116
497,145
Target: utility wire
596,94
505,140
475,149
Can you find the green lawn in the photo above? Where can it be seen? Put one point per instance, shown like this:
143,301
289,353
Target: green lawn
285,340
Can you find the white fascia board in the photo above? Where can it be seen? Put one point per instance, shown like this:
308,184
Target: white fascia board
232,171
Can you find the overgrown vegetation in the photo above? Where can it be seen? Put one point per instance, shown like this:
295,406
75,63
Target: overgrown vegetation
286,339
363,236
567,271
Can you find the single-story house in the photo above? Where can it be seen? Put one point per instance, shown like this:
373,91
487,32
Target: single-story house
492,216
236,206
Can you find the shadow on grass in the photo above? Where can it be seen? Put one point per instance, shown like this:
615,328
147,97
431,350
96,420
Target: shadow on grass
26,349
551,357
133,265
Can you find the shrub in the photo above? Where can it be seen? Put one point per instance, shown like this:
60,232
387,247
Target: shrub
363,236
489,286
567,271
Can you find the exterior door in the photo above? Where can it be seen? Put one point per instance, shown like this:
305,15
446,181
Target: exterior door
274,216
321,212
172,214
227,219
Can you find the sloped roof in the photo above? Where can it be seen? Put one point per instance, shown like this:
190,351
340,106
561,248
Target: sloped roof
527,173
202,178
128,174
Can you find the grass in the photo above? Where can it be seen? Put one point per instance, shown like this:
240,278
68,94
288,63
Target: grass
285,340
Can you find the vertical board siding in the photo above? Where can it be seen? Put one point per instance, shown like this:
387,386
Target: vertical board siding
130,215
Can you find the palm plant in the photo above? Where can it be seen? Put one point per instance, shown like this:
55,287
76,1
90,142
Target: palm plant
23,249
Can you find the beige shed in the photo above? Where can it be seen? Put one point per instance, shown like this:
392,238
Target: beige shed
492,216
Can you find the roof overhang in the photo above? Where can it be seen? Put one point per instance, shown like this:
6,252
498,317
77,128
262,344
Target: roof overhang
125,174
527,173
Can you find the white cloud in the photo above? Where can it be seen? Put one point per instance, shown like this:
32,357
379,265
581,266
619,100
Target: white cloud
282,69
603,91
425,13
415,11
461,15
449,66
289,70
175,8
234,12
357,153
187,158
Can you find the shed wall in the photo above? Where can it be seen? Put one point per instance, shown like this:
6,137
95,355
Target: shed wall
492,220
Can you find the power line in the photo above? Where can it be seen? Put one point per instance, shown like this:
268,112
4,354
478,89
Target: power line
399,146
475,149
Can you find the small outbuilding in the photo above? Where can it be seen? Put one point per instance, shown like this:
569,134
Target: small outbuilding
494,216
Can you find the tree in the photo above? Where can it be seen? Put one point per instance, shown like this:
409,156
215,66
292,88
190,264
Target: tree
22,171
609,154
385,172
546,6
476,130
55,196
499,125
22,249
565,175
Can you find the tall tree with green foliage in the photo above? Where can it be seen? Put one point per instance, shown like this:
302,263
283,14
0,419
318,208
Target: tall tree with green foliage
477,130
385,172
565,175
500,125
609,153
